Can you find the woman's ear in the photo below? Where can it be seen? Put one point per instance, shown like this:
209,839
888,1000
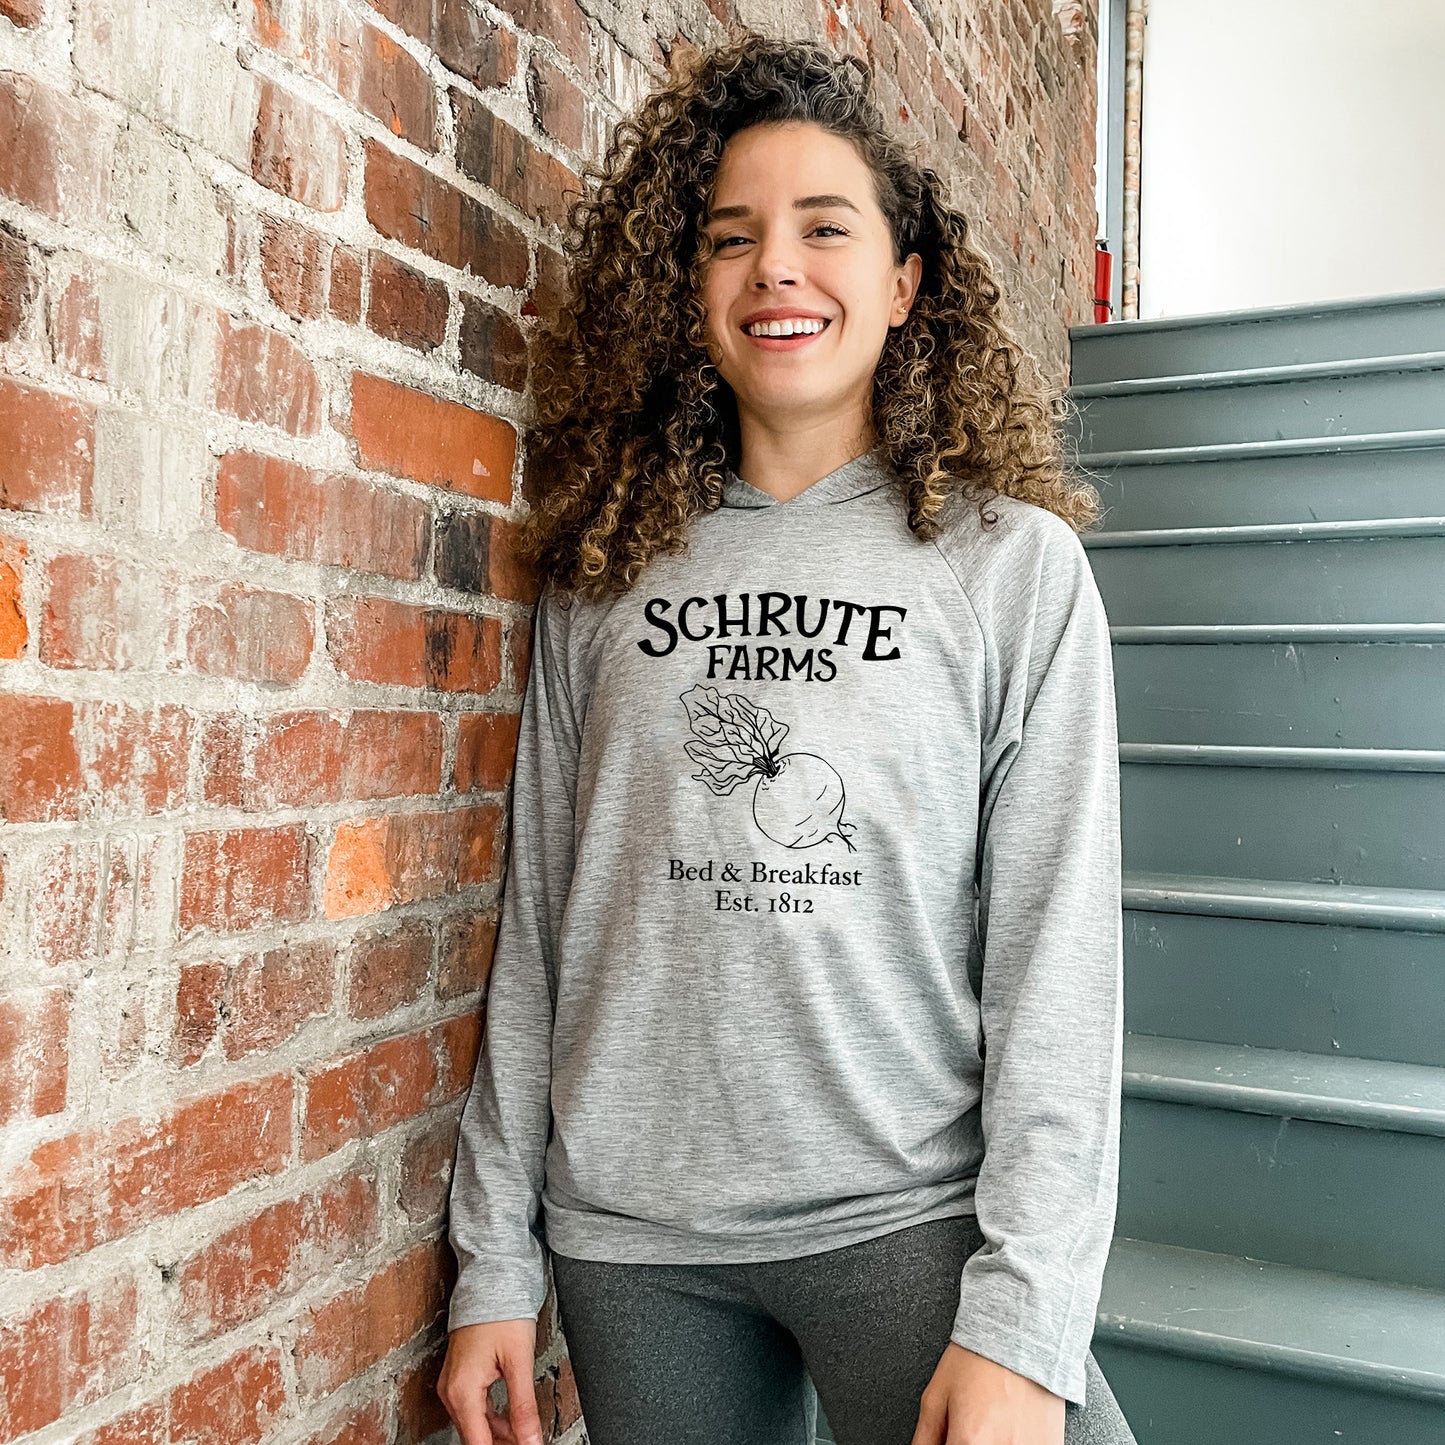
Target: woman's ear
910,276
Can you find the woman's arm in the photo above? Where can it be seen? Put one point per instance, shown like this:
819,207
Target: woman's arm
496,1190
1051,931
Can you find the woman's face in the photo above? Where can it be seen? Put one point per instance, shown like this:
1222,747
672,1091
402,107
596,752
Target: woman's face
797,231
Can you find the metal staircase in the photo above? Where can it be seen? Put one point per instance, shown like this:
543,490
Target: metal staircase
1272,560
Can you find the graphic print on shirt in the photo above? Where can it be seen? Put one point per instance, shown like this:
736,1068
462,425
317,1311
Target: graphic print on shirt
798,799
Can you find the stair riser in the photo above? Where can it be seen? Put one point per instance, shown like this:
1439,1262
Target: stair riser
1344,695
1325,487
1293,1191
1306,824
1369,993
1172,1399
1265,411
1386,579
1122,351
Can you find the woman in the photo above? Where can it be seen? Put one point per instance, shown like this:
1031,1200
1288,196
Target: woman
814,877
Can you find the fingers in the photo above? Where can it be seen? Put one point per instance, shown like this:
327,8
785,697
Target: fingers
462,1387
522,1397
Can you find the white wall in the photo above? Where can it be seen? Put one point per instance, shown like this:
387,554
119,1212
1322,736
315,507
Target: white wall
1291,150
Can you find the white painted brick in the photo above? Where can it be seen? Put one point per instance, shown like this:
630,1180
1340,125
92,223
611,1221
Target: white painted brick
149,473
167,203
157,343
165,62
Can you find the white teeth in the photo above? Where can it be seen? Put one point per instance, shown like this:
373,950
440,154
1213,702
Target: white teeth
785,328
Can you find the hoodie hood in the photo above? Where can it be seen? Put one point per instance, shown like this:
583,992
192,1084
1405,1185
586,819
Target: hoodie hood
865,473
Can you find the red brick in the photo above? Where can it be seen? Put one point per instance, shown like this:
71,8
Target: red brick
557,105
48,461
519,649
66,1352
492,344
23,12
34,1053
561,21
345,298
395,89
145,1425
378,863
461,37
426,1170
239,878
467,945
363,1094
276,506
507,162
420,1412
551,286
305,758
406,306
64,903
486,751
509,574
375,639
298,151
295,267
458,1041
367,1425
235,1403
222,762
244,1271
362,1326
200,1004
407,203
265,377
139,757
389,969
39,764
272,996
14,630
354,59
17,283
85,1189
57,152
109,613
411,434
252,636
75,340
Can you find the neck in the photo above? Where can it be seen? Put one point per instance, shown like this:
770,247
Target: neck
785,463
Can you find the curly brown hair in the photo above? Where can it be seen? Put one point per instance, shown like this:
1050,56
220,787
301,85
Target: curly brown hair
633,427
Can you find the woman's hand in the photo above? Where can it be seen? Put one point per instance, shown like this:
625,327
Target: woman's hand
477,1357
972,1400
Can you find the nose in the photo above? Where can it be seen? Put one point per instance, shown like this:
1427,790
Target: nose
774,262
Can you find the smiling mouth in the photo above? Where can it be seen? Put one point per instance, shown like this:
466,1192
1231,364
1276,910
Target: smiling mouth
796,336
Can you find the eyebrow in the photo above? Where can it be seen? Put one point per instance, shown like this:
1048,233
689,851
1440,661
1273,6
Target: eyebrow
803,203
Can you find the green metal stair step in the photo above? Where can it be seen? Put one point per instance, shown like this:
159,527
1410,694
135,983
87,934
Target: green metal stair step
1353,529
1262,375
1312,1323
1247,490
1366,1093
1273,447
1135,634
1284,900
1259,336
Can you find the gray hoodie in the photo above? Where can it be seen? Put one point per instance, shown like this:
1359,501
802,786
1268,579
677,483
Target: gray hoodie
813,889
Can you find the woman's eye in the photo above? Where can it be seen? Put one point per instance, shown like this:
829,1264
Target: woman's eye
821,226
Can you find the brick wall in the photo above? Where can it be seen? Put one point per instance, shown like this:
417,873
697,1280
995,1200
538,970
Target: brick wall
266,272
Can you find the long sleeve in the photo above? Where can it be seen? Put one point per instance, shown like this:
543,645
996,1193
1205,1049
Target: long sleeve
506,1124
1051,932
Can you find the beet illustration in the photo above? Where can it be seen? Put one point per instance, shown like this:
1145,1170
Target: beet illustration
798,799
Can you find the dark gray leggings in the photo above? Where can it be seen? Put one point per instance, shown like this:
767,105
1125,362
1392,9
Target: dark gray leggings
740,1354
